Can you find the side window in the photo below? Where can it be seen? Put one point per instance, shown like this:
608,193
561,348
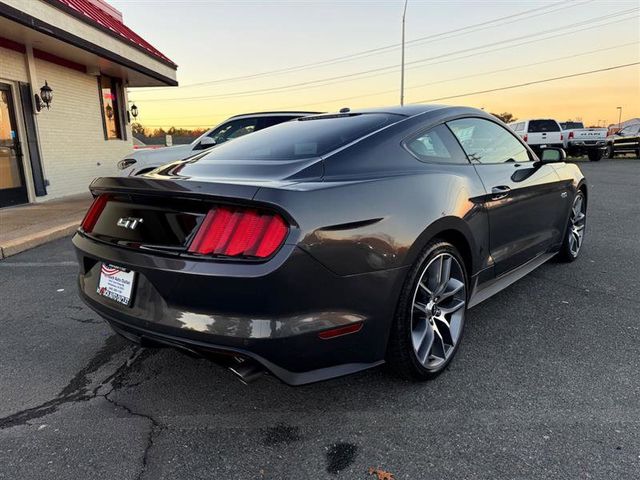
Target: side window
233,129
630,130
436,145
488,142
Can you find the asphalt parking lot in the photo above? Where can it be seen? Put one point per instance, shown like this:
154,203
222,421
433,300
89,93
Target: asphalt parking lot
546,384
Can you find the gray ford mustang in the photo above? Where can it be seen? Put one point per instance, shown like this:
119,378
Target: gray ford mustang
329,244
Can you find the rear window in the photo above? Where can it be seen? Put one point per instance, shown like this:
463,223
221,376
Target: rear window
536,126
571,125
303,138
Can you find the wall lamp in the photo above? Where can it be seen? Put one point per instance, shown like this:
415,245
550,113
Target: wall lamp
46,97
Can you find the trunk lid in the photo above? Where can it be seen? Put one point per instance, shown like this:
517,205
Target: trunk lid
163,209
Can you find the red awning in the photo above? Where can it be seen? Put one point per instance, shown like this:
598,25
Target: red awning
89,12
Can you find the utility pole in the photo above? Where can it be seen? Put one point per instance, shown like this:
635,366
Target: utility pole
619,116
404,14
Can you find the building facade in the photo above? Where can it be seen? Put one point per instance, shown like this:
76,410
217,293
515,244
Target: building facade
65,66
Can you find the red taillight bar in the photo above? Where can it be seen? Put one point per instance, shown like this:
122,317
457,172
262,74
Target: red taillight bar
96,208
340,331
239,232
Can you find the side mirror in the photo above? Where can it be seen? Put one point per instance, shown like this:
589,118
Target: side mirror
553,155
206,142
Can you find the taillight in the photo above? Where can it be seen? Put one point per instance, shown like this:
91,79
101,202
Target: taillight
570,135
239,232
94,212
525,138
561,136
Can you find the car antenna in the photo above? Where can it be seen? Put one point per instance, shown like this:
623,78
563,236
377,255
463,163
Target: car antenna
345,110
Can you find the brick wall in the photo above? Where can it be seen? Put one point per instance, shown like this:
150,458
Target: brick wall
72,141
13,65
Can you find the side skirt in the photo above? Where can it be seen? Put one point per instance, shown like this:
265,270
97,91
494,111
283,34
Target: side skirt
502,282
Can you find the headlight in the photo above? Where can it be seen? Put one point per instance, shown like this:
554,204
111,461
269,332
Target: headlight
126,163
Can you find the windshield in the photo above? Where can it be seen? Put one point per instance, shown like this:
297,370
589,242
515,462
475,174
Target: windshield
303,138
536,126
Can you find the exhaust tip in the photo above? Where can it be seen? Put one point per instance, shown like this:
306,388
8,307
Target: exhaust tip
247,370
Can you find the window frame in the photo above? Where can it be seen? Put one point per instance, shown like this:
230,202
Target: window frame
532,156
408,139
117,90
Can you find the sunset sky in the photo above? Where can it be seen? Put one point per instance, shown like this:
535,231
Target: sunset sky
453,48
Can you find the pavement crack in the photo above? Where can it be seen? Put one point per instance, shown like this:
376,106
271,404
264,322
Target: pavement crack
154,431
78,387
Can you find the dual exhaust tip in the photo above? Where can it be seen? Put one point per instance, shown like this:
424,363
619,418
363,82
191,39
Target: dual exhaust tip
246,369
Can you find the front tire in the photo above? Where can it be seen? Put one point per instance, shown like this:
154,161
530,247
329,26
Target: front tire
609,153
431,311
574,236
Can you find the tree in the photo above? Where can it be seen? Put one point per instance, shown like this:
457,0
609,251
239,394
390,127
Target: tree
506,117
137,129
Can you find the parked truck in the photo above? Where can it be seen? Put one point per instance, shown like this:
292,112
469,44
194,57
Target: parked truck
579,141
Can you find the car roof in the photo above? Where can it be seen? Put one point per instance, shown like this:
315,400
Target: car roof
274,114
536,119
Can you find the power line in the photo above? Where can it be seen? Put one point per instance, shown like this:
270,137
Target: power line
365,53
508,87
378,71
479,92
437,82
463,77
526,84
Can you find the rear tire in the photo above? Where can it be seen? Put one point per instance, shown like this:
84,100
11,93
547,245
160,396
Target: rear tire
429,321
574,236
594,155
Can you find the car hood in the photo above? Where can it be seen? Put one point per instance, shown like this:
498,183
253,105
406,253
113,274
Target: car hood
160,156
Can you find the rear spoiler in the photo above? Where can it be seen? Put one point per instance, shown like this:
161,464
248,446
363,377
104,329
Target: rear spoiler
177,188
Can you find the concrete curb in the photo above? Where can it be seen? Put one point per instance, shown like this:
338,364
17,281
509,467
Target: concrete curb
27,242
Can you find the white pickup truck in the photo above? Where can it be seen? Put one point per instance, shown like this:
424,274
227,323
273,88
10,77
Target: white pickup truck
580,141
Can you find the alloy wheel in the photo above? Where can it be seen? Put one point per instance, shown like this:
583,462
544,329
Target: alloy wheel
438,309
577,224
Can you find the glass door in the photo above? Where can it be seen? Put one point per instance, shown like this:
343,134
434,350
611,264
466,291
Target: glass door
13,189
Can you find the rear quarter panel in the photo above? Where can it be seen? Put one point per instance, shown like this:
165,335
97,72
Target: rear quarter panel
355,227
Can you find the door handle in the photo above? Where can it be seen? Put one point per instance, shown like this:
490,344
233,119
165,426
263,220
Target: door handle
499,192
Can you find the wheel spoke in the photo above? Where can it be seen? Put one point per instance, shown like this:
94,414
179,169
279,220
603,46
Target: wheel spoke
453,286
444,274
420,306
456,305
425,288
426,344
438,344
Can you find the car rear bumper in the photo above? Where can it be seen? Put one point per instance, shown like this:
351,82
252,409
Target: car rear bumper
271,312
587,144
538,146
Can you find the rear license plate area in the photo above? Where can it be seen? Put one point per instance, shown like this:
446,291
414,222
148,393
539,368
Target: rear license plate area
116,283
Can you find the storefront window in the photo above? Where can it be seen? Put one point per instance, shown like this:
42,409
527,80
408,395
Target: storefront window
110,108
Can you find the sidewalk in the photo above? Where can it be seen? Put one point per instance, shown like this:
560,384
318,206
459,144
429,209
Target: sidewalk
28,226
